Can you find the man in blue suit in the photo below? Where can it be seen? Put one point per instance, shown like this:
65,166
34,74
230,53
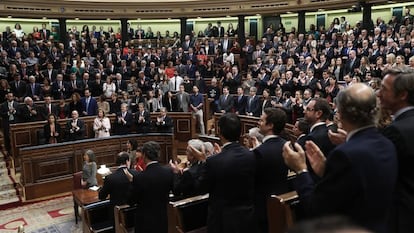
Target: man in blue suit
397,95
253,105
89,104
359,176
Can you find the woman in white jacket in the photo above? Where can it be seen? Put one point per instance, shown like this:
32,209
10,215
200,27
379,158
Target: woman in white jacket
101,125
108,87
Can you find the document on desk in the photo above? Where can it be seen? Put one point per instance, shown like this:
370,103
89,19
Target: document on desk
94,188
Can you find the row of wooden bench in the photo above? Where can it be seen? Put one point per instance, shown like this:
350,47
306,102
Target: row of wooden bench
186,215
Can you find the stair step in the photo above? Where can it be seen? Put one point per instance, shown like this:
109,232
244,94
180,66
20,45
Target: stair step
7,194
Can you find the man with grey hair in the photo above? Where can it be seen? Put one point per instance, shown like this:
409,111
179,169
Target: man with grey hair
397,95
356,167
29,111
255,136
75,128
186,179
123,121
253,106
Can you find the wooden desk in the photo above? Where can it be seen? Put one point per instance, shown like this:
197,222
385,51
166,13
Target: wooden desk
82,197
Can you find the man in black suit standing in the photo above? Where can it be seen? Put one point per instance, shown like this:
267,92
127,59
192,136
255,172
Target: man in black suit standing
44,32
316,113
240,102
356,167
75,128
117,185
229,178
18,87
225,103
253,105
352,63
397,95
47,108
150,192
123,121
271,171
9,112
33,89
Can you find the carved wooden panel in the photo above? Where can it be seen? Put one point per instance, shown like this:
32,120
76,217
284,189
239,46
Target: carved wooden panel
183,125
50,169
23,138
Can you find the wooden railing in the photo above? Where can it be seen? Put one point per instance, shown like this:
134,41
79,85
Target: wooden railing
27,134
47,169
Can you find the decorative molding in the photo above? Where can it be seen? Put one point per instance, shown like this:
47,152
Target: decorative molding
150,9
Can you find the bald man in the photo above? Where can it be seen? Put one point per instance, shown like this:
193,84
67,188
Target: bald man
358,178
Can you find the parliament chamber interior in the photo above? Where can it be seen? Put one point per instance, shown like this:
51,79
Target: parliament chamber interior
82,81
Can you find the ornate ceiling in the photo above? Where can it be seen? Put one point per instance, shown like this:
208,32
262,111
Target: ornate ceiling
102,9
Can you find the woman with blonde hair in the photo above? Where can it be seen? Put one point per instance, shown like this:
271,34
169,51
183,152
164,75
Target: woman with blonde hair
101,125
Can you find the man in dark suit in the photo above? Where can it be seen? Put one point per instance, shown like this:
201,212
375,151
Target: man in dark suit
271,171
75,85
33,89
60,89
29,111
50,73
352,63
356,167
164,123
229,178
47,108
316,113
117,185
240,102
89,104
120,84
143,119
150,192
396,94
44,32
75,128
9,112
18,87
226,101
253,105
123,121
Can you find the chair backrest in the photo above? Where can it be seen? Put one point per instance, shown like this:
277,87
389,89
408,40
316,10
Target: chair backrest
99,216
188,215
124,218
77,177
279,212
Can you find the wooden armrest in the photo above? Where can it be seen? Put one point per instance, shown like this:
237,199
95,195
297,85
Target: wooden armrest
189,200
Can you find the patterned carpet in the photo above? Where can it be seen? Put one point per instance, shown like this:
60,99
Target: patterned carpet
51,216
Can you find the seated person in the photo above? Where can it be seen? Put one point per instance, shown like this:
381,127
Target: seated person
164,123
